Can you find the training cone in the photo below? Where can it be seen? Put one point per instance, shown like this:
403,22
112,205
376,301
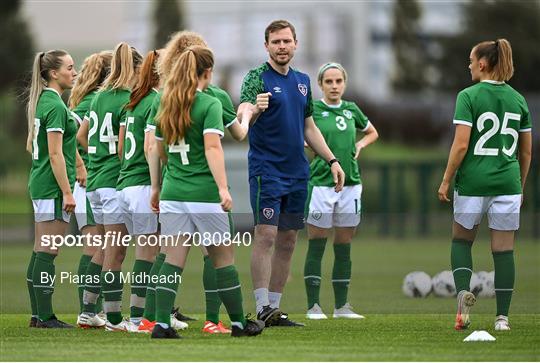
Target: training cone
480,336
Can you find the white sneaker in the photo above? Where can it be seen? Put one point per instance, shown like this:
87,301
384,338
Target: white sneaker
316,313
178,324
124,325
346,312
501,323
465,300
87,321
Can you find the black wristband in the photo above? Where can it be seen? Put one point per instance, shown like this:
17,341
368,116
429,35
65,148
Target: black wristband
334,160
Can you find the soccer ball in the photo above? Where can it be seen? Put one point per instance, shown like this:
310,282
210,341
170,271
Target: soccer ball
476,285
443,284
417,284
488,284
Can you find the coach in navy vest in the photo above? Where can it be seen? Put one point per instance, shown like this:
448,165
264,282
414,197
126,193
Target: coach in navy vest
276,101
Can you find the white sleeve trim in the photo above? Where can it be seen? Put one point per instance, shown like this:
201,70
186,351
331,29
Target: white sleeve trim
367,126
55,129
86,119
158,138
123,123
79,120
150,127
213,131
231,123
526,130
462,122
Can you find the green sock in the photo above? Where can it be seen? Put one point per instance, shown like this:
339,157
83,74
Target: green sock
81,272
341,273
92,289
150,301
228,286
312,270
112,287
504,280
166,292
30,284
461,260
141,270
213,302
42,276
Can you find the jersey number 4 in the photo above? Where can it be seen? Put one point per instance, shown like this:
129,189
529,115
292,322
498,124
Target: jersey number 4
182,148
479,148
106,132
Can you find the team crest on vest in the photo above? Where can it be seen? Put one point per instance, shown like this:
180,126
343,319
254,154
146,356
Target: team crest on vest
347,114
302,88
268,213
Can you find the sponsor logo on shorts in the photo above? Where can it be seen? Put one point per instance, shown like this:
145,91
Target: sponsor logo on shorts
302,88
316,214
268,213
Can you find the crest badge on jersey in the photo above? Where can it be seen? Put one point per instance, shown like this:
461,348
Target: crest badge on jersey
302,88
347,114
268,213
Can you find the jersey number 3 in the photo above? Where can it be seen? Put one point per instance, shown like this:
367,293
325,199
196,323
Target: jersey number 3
479,148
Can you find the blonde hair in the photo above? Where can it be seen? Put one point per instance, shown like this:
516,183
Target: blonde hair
94,70
498,55
179,92
177,45
124,63
44,62
330,65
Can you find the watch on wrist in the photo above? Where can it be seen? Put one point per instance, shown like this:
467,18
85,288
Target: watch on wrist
334,160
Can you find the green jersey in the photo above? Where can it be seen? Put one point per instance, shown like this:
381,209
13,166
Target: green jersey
338,125
52,115
496,114
135,169
188,177
106,114
229,114
79,112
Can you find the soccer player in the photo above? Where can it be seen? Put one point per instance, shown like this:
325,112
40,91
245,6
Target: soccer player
491,155
55,167
101,130
93,72
175,47
276,100
134,182
339,121
194,198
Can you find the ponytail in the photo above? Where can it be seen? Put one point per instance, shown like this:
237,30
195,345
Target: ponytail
43,63
94,70
124,63
498,55
179,92
148,79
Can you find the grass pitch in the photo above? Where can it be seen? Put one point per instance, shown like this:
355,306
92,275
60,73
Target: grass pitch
395,328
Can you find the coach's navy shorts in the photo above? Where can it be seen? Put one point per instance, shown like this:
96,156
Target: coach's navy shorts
278,201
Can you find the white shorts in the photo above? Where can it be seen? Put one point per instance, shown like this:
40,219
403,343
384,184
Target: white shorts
191,217
329,209
49,210
135,204
83,212
502,211
104,203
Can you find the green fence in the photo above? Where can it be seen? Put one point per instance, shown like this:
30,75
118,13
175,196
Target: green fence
400,199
